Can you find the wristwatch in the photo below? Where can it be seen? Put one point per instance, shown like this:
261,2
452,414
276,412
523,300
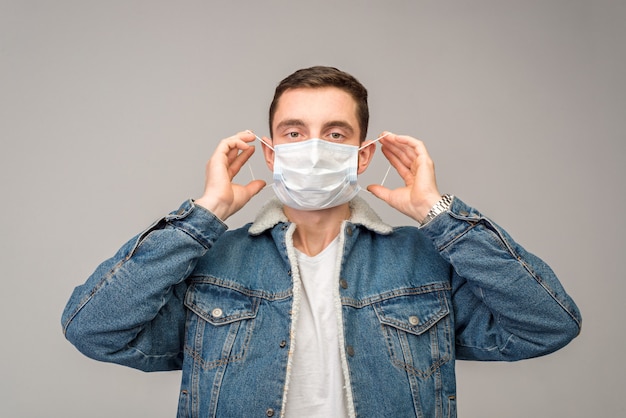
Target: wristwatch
440,207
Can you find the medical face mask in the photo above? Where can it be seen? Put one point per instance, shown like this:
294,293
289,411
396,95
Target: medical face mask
315,174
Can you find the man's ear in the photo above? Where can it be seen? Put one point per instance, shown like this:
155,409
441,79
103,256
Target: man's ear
365,156
268,153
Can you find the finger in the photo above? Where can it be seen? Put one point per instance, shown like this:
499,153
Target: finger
412,146
404,151
246,136
379,191
239,141
235,148
254,187
402,167
240,160
410,152
228,150
232,146
243,194
399,155
400,139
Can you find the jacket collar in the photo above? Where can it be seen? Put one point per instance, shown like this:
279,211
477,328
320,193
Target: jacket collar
272,214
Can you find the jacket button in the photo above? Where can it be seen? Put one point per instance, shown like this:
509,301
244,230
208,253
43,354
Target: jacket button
414,320
349,231
350,350
269,412
283,344
343,283
216,313
464,213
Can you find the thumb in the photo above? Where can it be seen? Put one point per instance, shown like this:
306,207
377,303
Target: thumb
379,191
255,186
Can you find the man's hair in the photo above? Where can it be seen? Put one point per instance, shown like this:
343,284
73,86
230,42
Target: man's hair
318,77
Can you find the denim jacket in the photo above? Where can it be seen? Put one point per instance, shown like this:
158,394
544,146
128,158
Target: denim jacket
221,305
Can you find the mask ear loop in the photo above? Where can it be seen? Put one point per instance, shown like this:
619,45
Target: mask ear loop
250,166
257,137
374,141
382,183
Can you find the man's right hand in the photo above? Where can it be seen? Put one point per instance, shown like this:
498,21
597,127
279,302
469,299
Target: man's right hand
222,196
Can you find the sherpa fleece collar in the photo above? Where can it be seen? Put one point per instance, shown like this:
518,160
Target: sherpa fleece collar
361,214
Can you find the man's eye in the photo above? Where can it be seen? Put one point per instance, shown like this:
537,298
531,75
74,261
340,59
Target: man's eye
336,135
293,134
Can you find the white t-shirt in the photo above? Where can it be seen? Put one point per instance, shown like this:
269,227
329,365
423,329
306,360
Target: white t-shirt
316,387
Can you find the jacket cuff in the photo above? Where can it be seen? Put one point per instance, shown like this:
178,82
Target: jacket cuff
200,223
449,225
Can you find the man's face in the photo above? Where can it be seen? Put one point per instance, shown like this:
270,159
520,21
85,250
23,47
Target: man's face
326,113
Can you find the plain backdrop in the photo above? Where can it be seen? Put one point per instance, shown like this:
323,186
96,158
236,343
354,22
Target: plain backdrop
110,109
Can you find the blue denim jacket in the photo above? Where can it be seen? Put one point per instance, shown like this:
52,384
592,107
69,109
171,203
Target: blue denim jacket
220,305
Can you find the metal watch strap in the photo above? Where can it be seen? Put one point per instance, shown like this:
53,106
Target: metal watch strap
441,206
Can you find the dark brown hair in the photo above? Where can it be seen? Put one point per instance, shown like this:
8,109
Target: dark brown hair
319,76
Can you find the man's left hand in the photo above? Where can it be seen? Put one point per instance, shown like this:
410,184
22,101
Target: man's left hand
413,163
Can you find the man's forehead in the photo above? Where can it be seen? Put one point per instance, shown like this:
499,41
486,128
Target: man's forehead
298,105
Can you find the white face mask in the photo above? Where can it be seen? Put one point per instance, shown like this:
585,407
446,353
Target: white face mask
315,174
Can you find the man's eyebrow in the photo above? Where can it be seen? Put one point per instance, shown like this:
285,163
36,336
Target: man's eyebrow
299,123
289,123
339,124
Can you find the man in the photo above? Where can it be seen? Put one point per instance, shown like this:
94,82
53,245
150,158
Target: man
318,308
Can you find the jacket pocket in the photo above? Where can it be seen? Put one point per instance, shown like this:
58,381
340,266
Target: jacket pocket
220,324
417,331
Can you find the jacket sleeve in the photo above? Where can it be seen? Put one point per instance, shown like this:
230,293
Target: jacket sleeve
130,311
508,304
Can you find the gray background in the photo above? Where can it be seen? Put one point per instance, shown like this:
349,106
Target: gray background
110,109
